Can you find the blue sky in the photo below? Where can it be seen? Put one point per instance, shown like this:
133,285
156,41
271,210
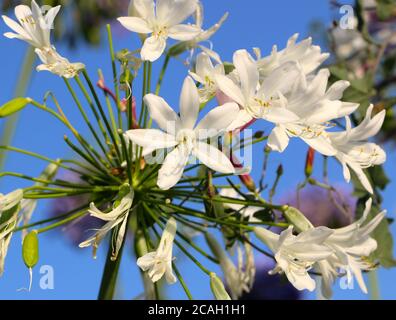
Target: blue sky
252,23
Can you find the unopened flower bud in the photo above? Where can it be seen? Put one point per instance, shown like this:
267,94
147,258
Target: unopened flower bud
217,287
297,219
309,162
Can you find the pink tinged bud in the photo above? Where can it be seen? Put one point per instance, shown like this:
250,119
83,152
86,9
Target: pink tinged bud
309,162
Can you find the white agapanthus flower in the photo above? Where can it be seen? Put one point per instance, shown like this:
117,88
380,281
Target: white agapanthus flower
9,208
315,106
205,73
181,134
159,263
295,255
162,20
35,28
308,56
239,278
245,211
354,151
116,218
259,100
350,245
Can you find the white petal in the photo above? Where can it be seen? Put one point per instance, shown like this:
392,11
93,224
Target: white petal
247,72
183,32
279,115
217,120
16,27
362,177
321,144
172,168
189,104
151,138
162,113
145,262
241,119
171,12
213,158
230,89
278,139
135,24
152,49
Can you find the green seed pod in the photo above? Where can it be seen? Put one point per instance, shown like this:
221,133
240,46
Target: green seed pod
30,249
217,287
297,219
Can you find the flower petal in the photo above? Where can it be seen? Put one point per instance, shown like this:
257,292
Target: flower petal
183,32
230,89
135,24
213,158
217,120
247,72
153,47
189,104
321,144
151,138
278,139
172,168
162,113
171,12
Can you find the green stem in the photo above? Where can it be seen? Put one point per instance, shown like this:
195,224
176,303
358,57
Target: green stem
162,73
110,273
115,77
374,285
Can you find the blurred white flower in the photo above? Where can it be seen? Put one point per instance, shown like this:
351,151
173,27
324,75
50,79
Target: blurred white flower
182,134
35,28
354,151
9,208
308,56
350,245
162,19
159,263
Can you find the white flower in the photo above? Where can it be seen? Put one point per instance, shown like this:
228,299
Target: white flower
354,151
239,278
159,263
56,64
308,56
259,100
350,245
205,73
162,19
245,211
315,105
182,134
35,29
9,208
295,255
116,218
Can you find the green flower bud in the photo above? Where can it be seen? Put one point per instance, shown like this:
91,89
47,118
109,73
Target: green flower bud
217,287
297,219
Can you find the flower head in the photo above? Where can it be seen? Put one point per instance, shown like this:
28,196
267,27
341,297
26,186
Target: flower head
159,263
162,20
354,151
181,134
295,255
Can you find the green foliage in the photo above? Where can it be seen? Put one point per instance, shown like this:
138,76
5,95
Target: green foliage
385,8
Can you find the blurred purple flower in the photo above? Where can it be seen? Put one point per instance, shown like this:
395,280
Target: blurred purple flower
79,229
323,209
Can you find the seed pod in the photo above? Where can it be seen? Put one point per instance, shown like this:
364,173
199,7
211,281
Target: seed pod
30,249
217,287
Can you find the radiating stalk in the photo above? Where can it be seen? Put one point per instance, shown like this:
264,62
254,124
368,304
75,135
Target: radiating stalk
11,122
110,273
